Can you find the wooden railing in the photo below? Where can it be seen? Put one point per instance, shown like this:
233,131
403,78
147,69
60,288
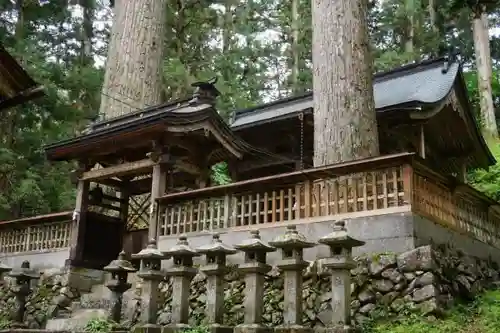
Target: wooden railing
348,188
380,185
39,233
387,184
455,205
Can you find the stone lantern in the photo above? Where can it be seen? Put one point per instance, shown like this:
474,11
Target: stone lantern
182,272
151,274
3,269
119,269
292,245
23,277
254,268
340,264
215,268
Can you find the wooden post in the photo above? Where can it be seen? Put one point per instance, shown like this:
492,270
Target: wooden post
422,142
462,173
158,187
124,201
79,221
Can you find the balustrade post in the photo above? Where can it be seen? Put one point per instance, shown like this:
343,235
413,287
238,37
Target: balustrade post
119,269
340,264
182,272
292,245
151,275
215,268
254,268
22,289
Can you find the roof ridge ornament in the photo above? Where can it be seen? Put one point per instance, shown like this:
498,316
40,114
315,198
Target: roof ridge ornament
205,92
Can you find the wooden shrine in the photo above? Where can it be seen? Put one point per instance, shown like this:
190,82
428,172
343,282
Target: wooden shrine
153,166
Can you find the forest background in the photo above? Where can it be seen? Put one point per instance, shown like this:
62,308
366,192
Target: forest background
260,50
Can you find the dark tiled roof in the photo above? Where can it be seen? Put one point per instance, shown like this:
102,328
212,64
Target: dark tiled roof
16,86
423,83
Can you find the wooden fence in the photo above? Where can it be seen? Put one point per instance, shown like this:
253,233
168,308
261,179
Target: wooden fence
387,184
39,233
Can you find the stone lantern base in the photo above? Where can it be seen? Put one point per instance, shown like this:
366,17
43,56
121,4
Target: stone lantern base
218,328
175,328
253,328
292,329
338,329
147,328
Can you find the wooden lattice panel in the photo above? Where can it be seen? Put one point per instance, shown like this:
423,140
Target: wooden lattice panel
138,212
42,237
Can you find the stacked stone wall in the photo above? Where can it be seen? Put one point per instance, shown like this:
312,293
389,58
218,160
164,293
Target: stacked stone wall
427,279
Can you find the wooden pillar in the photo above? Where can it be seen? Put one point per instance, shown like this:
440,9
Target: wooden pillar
204,178
462,173
158,187
79,222
124,201
421,146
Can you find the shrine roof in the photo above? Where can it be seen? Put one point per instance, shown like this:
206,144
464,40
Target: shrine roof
419,84
16,86
177,116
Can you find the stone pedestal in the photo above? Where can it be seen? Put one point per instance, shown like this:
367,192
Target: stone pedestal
22,289
215,268
254,268
340,264
181,272
292,245
151,275
119,269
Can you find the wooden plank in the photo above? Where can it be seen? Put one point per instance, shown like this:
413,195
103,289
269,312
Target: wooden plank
128,168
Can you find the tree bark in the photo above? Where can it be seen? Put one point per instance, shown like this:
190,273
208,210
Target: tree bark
489,125
133,78
345,124
295,47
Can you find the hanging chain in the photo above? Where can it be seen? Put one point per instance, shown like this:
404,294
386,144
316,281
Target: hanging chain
301,118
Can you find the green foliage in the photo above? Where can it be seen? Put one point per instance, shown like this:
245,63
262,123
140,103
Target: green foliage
480,316
197,329
220,174
98,325
5,323
488,181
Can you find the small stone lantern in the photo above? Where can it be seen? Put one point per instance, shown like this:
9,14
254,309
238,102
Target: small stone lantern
340,264
3,269
119,269
182,272
215,268
23,276
254,268
151,274
292,245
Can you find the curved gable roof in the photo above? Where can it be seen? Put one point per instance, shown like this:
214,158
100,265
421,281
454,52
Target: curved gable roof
422,83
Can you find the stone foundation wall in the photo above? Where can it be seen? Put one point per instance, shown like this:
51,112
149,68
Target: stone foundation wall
50,294
427,279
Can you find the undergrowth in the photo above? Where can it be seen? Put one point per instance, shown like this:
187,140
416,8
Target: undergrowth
479,316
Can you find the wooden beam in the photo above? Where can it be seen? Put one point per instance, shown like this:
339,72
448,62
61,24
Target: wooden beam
136,167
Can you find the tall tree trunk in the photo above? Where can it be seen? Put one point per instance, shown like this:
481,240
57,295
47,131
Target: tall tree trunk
345,124
486,44
295,47
87,31
133,76
431,9
410,26
483,65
